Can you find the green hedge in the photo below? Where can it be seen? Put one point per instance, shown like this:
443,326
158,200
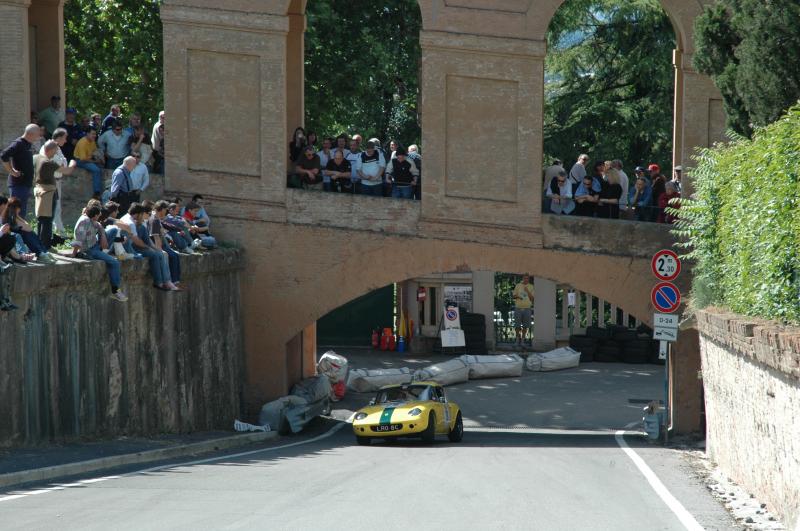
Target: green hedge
742,225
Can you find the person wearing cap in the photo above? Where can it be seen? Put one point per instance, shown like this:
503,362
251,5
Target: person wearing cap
74,133
402,174
676,177
308,169
641,171
371,166
52,115
560,194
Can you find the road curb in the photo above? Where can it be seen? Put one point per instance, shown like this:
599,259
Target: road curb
92,465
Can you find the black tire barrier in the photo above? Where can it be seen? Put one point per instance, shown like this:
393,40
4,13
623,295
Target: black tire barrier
597,332
636,356
624,335
608,354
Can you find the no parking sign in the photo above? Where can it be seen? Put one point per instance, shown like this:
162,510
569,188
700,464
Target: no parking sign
452,319
666,297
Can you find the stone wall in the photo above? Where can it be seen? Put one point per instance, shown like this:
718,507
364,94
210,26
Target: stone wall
751,375
76,363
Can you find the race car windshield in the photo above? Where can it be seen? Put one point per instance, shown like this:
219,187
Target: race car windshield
400,394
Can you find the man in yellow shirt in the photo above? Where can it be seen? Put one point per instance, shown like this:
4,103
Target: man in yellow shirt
84,151
523,301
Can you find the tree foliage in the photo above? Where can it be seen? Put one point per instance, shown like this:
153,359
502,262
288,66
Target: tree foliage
742,225
362,68
751,49
114,54
609,82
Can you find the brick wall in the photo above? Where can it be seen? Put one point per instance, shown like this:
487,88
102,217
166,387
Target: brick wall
751,375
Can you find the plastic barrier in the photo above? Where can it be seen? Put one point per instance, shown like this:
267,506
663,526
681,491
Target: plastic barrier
560,358
444,373
495,366
370,380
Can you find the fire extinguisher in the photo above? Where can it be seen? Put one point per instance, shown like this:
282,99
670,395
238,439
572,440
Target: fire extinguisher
375,338
392,343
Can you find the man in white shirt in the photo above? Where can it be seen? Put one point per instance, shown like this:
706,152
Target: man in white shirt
325,154
353,156
115,145
624,182
553,171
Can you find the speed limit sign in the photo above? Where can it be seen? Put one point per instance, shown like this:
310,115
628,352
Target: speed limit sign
666,265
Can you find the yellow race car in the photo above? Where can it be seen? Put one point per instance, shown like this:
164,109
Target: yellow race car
418,409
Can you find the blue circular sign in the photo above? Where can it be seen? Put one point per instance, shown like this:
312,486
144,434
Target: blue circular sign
666,297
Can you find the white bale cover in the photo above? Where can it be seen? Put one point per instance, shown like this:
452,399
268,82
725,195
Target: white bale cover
312,389
494,366
272,412
370,380
333,366
444,373
555,360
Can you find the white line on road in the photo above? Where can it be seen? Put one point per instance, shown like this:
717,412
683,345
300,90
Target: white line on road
666,496
84,482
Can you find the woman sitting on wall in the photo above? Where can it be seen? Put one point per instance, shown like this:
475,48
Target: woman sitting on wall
7,244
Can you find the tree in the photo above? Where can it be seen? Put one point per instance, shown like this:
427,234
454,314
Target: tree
751,49
609,82
362,68
113,55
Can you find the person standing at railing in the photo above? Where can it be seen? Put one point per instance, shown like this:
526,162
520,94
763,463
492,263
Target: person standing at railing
587,196
578,171
640,200
560,194
608,204
523,302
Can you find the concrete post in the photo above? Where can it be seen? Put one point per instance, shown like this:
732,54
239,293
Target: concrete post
544,314
15,68
46,21
686,387
483,301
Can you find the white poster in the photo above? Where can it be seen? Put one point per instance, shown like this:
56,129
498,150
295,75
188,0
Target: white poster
453,338
459,294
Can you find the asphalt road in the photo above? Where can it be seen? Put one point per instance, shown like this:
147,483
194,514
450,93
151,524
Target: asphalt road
512,479
519,467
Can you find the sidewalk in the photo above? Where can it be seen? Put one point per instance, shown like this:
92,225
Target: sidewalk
26,465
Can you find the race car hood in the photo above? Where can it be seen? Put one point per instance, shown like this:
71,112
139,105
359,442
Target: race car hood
384,413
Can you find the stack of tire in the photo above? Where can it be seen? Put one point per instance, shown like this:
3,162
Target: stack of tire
616,344
474,327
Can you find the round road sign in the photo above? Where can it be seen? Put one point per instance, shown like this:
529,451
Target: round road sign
666,265
665,297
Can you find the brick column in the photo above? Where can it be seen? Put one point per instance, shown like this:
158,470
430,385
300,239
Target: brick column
15,68
295,68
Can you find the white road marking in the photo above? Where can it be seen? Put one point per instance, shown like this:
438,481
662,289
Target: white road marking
83,482
666,496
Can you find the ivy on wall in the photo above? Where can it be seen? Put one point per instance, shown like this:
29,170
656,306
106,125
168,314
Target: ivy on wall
742,226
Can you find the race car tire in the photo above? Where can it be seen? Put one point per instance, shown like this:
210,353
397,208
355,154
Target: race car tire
457,433
430,432
363,441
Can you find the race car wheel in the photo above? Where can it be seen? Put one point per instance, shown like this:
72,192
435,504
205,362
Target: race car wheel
430,432
457,433
363,441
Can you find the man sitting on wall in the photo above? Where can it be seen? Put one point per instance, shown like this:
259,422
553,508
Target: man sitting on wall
90,238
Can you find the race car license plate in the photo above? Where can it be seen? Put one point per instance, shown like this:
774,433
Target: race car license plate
387,427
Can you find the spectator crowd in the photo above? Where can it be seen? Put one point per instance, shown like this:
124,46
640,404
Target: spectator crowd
347,165
115,225
606,191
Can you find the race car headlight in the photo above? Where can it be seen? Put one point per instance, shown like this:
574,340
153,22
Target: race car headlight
414,412
361,416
